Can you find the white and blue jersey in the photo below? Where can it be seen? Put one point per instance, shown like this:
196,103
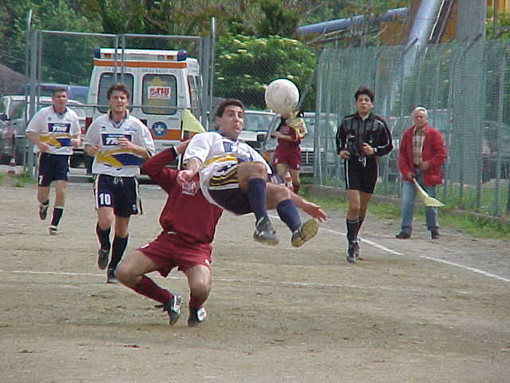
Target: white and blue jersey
218,153
55,129
112,159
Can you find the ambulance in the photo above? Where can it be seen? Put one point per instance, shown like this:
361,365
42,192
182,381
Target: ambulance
162,83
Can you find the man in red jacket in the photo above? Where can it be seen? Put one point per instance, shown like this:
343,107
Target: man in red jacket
421,154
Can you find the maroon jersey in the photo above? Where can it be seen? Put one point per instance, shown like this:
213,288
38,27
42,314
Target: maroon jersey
186,212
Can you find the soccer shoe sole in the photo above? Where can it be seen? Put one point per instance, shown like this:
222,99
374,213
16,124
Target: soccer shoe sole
308,230
43,212
102,258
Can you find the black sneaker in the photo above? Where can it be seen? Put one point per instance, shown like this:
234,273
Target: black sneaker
173,308
43,211
307,231
196,317
102,258
110,276
434,234
403,235
264,232
352,252
53,230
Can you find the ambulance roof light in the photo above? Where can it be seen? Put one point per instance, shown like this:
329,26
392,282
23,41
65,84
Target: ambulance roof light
182,55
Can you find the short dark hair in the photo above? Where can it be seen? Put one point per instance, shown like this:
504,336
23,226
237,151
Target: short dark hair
366,91
59,89
223,105
118,87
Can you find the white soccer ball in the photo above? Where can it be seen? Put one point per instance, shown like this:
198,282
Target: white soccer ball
282,96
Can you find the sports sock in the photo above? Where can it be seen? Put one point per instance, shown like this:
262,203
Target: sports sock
57,214
196,302
118,248
360,219
149,289
352,229
104,237
289,214
257,197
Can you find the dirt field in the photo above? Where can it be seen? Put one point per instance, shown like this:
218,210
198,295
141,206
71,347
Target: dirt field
412,311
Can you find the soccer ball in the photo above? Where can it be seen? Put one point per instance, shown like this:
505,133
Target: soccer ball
282,96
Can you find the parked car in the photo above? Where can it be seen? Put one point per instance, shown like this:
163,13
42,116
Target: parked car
14,121
307,145
256,125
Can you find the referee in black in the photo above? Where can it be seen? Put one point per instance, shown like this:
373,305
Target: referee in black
361,138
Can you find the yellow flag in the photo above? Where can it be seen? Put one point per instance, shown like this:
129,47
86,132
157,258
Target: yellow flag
190,122
426,199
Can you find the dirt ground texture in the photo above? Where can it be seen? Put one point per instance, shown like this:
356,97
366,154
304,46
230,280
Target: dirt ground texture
412,311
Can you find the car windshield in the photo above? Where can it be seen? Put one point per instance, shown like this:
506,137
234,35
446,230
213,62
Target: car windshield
257,121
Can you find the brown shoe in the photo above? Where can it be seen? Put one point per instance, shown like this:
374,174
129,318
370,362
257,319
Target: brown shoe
434,234
403,235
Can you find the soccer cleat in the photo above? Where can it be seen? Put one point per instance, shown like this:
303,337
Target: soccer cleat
307,231
196,317
264,232
53,230
403,235
110,276
102,258
173,308
352,252
434,234
43,211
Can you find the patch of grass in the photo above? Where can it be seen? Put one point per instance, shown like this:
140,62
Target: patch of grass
476,226
18,180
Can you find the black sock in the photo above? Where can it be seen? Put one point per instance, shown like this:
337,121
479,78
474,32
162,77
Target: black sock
257,197
118,248
360,219
352,229
289,214
104,237
57,214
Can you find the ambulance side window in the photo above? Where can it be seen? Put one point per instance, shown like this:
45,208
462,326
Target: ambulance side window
105,82
159,94
193,90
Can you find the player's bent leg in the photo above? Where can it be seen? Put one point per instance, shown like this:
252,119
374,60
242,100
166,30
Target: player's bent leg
131,273
199,281
133,267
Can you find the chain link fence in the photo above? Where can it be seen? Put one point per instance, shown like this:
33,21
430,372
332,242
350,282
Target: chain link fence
466,88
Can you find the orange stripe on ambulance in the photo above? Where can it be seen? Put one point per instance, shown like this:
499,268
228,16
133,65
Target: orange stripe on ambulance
162,84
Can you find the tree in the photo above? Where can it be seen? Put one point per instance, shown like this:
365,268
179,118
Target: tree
246,65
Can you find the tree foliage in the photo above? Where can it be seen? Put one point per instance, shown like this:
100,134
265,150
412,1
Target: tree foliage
246,65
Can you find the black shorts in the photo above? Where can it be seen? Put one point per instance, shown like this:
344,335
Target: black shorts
361,176
52,167
121,193
233,200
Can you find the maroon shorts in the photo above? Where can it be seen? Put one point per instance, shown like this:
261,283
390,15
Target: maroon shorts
168,250
292,158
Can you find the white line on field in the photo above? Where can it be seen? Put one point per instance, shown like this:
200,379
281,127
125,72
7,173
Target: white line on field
434,259
229,280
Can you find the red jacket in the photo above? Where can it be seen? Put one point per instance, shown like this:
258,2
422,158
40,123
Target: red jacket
433,151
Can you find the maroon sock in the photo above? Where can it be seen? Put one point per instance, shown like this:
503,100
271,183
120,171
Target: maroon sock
196,302
148,288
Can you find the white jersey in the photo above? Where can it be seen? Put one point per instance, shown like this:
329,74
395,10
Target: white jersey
112,159
55,129
215,151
